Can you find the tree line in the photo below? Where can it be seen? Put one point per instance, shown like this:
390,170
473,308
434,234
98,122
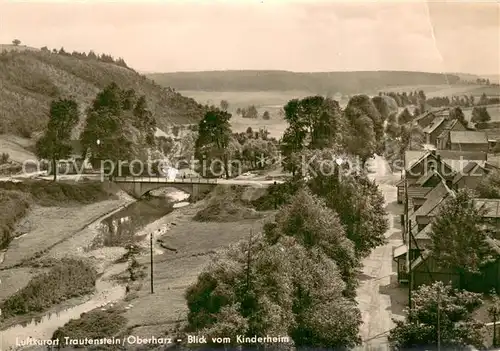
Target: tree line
91,55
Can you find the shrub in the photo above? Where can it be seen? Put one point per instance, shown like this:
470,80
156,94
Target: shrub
225,205
13,206
93,325
4,158
67,279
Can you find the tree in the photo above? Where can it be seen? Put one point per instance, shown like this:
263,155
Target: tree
144,120
456,328
358,203
457,113
238,111
366,130
314,225
480,115
55,143
457,229
251,112
385,105
315,119
489,187
106,133
412,137
405,116
279,289
224,105
214,136
16,42
266,115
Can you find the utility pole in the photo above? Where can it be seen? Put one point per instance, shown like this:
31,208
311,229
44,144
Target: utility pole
494,328
439,319
410,239
151,259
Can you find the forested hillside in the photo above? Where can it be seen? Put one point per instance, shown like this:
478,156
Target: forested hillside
318,83
31,79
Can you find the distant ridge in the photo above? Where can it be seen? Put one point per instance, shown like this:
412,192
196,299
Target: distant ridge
314,82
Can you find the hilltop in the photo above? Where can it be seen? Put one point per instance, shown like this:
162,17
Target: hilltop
317,83
30,78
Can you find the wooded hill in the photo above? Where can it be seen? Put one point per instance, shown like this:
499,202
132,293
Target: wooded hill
317,83
31,79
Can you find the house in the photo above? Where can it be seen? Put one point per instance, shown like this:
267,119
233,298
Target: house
443,139
426,118
469,141
422,212
425,270
492,211
470,176
433,130
419,168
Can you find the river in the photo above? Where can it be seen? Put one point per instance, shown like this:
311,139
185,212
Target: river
118,227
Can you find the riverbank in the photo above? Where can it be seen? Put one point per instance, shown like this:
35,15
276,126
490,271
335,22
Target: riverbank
194,243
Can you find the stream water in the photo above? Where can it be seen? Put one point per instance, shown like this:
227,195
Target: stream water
116,228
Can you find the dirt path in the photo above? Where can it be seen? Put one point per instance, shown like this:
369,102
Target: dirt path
377,293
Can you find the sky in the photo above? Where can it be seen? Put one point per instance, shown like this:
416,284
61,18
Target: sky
307,36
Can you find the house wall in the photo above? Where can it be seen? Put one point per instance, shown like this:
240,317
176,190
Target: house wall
429,272
470,147
470,182
433,136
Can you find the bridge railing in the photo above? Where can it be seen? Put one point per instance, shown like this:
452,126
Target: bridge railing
163,180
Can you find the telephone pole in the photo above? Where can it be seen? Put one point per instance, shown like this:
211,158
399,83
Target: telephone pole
151,259
439,319
410,239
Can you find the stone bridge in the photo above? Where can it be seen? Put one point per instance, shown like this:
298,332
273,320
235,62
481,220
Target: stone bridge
140,186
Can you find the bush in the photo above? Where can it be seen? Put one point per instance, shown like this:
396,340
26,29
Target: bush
56,193
67,279
226,205
4,158
93,325
13,206
277,195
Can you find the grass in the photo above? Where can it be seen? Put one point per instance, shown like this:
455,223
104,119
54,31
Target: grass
225,204
48,193
67,279
31,79
52,204
195,242
13,206
96,324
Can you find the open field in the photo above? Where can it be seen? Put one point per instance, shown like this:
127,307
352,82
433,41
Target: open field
17,147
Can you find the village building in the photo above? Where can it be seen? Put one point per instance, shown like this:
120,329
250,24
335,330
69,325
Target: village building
433,130
475,141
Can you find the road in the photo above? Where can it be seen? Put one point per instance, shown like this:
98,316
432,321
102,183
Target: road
375,303
76,177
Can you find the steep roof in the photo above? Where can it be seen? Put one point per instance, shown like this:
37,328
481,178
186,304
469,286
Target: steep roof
470,169
434,199
468,137
491,206
434,125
